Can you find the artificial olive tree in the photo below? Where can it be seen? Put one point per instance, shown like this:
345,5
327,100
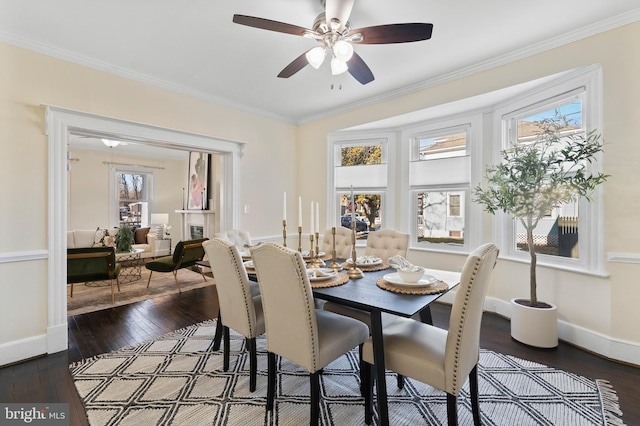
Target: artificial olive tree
537,176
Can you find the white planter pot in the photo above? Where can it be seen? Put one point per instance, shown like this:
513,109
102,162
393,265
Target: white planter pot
534,326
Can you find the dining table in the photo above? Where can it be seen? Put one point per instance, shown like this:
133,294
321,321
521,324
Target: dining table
365,294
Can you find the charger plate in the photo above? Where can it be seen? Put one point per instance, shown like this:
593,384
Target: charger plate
435,288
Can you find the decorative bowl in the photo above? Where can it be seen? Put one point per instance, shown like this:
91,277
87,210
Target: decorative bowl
411,275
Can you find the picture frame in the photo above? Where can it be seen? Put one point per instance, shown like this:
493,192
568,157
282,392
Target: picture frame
197,181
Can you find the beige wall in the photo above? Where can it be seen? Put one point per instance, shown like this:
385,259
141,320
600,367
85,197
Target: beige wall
28,81
281,157
88,187
600,306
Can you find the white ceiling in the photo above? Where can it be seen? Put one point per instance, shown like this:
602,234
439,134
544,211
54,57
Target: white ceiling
193,47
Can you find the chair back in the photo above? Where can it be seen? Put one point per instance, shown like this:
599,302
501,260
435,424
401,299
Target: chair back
187,253
463,340
387,243
287,303
236,236
232,283
343,242
91,264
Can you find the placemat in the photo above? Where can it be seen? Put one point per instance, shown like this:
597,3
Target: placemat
334,281
435,288
368,268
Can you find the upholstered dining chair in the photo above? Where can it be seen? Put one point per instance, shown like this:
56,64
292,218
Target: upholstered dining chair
343,242
239,237
384,244
387,243
440,358
295,330
239,301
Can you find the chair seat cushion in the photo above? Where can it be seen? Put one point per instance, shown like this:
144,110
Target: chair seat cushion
163,264
413,349
337,334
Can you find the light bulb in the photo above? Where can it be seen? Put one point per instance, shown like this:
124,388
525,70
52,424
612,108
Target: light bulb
315,56
343,50
338,66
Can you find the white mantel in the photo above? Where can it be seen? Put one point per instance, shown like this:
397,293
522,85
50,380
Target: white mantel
204,218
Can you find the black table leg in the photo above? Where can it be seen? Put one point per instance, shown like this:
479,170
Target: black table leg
425,316
378,360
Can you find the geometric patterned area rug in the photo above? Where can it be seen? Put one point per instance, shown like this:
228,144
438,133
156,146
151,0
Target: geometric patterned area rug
177,380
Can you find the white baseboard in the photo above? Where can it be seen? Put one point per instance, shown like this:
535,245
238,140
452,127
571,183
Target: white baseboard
607,346
20,350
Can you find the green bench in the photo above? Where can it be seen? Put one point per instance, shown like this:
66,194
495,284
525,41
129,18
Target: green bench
93,264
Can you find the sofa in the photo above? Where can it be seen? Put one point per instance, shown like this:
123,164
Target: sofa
143,239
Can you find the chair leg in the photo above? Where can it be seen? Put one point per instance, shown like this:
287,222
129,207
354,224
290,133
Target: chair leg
366,373
118,282
452,411
473,389
175,277
113,295
149,280
400,380
71,289
314,381
226,351
201,273
253,363
271,380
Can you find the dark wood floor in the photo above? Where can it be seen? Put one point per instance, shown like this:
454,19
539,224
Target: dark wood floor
47,379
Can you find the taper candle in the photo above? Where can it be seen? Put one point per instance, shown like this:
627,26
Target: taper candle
299,212
317,229
311,224
353,207
284,206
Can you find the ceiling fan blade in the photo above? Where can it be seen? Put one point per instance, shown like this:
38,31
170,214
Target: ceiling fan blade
268,24
338,9
296,65
393,33
359,69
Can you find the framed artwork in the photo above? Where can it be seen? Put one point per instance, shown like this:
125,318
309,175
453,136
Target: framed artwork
198,178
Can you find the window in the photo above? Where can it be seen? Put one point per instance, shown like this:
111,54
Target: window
440,176
360,168
570,236
557,233
131,190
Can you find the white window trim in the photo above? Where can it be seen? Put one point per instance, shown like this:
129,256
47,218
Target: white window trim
473,121
591,213
114,199
388,141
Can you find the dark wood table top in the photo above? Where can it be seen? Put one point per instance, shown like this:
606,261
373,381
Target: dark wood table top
363,293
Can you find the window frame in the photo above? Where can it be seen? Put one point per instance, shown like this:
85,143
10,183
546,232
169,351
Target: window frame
585,85
470,122
335,143
114,196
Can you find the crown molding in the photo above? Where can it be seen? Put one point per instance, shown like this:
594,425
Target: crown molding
533,49
566,38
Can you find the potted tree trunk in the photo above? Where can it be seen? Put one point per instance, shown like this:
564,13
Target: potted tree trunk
527,184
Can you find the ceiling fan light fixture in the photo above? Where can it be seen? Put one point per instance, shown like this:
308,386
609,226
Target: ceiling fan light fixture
315,56
110,143
338,66
343,50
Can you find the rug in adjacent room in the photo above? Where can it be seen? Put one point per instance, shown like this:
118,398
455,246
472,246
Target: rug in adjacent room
177,380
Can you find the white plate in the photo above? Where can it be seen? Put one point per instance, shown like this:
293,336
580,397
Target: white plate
328,274
248,264
370,261
395,279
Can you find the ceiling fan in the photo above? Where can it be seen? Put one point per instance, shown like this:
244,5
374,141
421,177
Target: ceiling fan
332,30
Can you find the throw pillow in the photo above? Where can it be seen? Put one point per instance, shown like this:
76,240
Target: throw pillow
98,240
140,235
